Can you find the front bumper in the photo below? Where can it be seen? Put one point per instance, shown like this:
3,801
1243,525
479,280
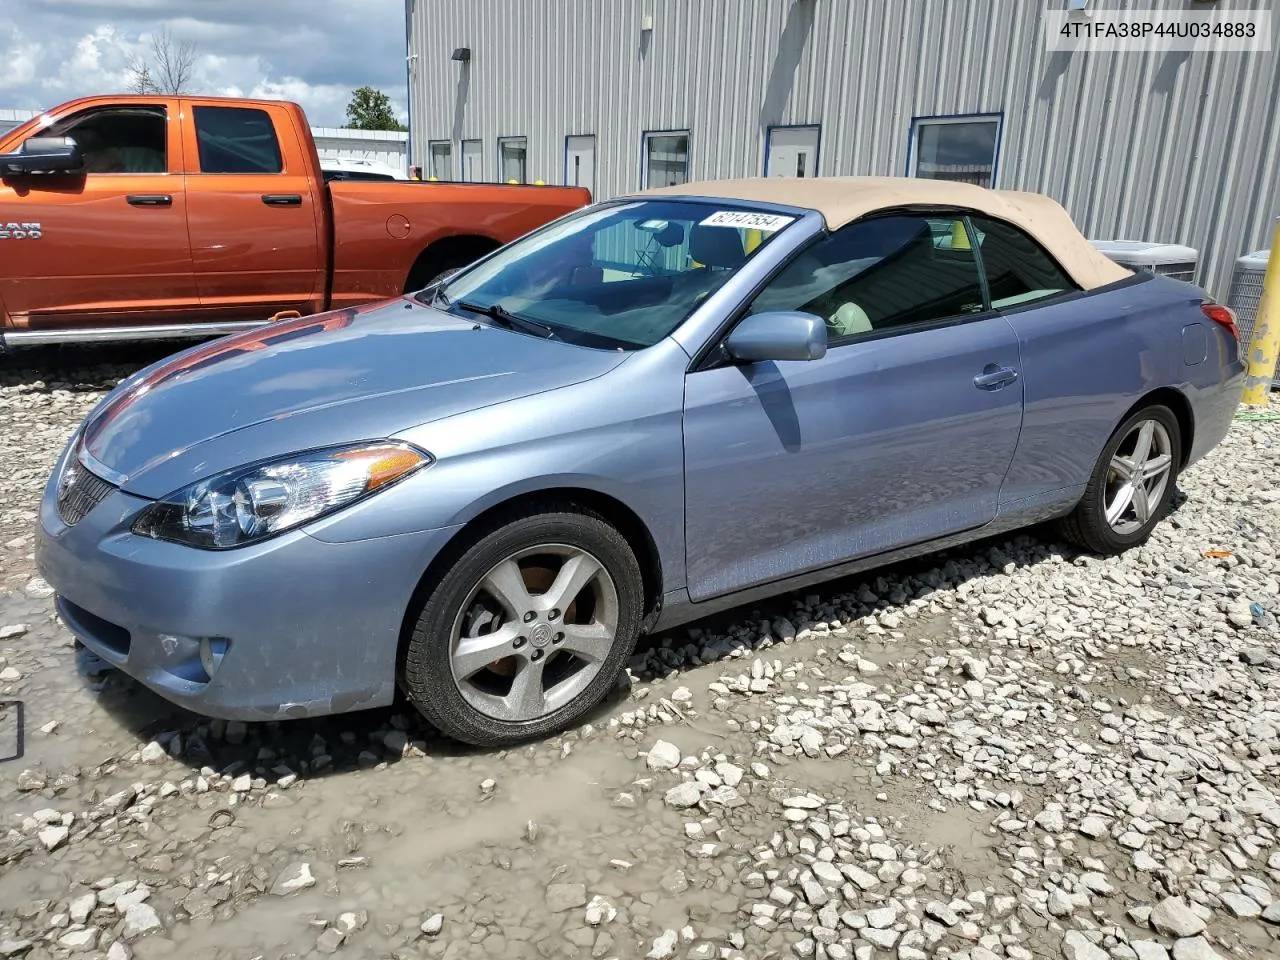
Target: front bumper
303,627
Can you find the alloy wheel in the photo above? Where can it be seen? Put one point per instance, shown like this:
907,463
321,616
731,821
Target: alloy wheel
1138,476
533,632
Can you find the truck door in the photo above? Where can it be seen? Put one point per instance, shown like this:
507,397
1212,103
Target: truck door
106,244
255,211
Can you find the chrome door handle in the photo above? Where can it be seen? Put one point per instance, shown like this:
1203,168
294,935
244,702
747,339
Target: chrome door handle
993,377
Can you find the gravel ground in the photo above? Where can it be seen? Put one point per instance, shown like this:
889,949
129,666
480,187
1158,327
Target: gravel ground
1006,751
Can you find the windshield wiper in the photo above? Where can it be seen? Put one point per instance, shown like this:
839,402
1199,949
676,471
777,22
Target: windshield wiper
504,317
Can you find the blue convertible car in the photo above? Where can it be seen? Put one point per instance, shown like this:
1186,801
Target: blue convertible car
651,409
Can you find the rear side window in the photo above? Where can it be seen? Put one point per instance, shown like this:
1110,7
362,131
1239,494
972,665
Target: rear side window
237,140
1018,269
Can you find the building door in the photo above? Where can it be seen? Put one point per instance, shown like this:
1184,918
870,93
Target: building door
472,160
580,163
793,152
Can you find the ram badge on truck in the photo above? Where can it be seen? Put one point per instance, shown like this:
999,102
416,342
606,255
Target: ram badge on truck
140,217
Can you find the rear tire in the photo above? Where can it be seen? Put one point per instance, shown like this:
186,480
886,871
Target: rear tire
1132,484
527,629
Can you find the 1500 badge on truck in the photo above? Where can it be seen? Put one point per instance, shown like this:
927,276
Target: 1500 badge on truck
169,216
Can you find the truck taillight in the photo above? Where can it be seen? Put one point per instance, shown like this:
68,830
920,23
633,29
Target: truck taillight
1223,316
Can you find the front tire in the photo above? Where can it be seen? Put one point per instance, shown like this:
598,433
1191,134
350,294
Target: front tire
1132,484
527,629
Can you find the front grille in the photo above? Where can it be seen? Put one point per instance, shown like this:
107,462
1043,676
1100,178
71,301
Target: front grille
79,491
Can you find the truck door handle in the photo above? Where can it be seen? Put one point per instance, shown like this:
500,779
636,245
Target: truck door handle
993,377
150,200
282,199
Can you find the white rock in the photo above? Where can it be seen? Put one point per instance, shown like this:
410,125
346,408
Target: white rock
53,837
663,756
599,911
154,753
139,920
292,879
683,795
1194,948
1077,946
664,946
433,924
10,675
1172,916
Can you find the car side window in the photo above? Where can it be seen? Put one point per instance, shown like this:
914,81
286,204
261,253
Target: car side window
1018,269
124,139
237,140
881,275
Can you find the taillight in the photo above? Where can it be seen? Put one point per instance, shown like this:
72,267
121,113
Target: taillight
1223,316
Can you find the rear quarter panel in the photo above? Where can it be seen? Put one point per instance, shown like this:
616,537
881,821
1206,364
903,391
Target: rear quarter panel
380,228
1087,361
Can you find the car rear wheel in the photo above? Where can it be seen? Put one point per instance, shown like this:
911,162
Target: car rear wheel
528,628
1132,485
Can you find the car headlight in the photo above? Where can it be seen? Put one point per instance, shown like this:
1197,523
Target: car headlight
252,503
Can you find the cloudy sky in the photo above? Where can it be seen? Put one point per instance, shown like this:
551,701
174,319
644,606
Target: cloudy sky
312,51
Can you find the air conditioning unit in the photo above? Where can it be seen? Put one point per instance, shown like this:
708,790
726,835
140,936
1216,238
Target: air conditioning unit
1246,294
1167,259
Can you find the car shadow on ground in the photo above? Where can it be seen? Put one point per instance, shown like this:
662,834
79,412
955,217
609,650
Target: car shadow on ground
335,745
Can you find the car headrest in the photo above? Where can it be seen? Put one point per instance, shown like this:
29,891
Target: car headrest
716,246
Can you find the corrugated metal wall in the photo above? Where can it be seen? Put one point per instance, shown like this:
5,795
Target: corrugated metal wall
1174,147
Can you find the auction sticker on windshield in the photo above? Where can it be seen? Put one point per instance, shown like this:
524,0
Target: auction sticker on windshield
744,220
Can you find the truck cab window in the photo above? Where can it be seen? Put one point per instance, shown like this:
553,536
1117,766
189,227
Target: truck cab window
237,140
119,139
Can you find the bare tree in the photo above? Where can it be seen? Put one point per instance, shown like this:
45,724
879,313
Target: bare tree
170,67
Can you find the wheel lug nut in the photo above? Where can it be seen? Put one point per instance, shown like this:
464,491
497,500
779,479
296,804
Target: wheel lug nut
554,614
558,638
536,655
518,642
528,617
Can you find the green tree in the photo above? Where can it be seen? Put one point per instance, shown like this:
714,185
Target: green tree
370,109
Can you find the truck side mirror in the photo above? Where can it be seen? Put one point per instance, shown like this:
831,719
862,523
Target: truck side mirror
44,155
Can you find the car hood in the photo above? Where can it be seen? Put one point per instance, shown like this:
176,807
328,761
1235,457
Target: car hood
355,374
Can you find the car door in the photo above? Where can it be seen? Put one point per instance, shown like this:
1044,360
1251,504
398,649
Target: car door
902,433
107,242
255,219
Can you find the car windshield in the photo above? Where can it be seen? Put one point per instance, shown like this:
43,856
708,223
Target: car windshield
618,276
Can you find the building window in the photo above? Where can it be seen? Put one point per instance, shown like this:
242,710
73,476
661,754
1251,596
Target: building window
955,148
666,158
441,160
513,156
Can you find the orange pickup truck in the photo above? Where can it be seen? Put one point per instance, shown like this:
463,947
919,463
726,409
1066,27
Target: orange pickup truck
147,217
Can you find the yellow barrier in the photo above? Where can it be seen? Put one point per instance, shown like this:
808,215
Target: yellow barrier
1264,345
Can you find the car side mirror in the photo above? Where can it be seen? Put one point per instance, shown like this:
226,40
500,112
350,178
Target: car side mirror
44,155
778,335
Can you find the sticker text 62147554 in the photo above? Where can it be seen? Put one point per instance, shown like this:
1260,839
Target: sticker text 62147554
746,220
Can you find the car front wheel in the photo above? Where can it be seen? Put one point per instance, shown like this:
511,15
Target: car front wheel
1132,484
527,629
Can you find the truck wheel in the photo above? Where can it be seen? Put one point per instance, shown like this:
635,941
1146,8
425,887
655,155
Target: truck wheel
1132,484
444,258
527,629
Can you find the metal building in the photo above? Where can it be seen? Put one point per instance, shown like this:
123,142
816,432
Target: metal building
383,146
1174,147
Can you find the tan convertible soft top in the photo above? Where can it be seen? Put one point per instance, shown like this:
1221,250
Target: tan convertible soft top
841,200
